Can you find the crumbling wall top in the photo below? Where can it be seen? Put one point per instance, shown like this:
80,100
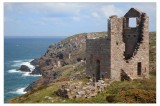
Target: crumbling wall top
133,13
113,16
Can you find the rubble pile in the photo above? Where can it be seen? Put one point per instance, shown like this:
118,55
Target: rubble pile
80,90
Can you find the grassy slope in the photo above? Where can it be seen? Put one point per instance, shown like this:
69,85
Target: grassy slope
136,91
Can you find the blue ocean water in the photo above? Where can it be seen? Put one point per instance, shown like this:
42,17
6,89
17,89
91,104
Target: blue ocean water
18,51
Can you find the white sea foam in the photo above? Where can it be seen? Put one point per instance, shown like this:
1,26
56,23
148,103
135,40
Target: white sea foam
24,60
29,65
38,75
27,74
24,74
19,91
14,71
18,63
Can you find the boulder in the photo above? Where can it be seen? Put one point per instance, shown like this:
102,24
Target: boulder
35,62
24,68
61,93
36,71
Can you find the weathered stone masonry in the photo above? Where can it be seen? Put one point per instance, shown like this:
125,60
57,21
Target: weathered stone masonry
124,50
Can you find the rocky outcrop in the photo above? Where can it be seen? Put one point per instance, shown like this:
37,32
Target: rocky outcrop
35,62
24,68
68,51
36,71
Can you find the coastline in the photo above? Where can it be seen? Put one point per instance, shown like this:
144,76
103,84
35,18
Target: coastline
17,52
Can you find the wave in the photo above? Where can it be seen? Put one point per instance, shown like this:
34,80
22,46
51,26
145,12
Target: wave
18,63
24,60
29,65
27,74
13,71
24,74
19,91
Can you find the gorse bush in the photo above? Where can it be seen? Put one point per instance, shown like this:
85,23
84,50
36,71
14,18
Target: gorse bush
136,96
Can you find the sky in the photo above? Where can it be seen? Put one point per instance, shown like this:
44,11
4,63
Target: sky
66,19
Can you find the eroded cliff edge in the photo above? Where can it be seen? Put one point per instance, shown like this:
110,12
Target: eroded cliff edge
70,51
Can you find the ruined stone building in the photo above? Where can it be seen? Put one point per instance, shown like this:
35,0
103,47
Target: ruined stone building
125,51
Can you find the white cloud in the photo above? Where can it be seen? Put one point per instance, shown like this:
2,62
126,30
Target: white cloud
95,14
105,11
76,18
44,8
8,6
71,9
111,10
149,8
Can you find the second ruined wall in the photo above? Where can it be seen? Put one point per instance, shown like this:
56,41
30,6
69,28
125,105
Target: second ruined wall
98,50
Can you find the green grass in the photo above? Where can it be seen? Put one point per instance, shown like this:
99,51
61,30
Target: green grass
152,52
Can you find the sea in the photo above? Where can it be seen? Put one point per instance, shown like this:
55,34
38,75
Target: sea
20,51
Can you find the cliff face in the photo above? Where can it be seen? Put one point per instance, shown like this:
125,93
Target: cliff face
66,52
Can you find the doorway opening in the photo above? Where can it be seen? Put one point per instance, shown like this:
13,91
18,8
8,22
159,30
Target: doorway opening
97,70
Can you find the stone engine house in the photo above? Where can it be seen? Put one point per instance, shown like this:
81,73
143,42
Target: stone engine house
125,51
